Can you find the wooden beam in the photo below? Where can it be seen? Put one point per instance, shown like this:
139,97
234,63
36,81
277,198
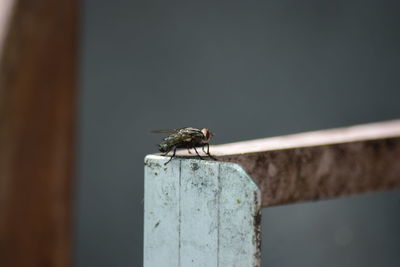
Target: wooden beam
37,114
321,164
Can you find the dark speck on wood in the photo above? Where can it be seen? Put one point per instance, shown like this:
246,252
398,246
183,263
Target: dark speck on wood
195,166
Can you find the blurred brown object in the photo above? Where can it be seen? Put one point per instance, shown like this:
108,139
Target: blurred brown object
38,49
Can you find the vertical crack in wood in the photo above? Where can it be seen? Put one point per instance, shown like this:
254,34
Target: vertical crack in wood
179,215
218,214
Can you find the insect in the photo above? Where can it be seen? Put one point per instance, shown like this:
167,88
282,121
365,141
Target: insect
185,138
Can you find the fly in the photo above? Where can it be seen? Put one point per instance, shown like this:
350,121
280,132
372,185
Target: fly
185,138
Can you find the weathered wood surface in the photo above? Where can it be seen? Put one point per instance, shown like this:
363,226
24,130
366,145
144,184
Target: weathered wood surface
37,109
321,164
200,213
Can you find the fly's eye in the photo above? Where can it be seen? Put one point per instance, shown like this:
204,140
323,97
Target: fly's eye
206,134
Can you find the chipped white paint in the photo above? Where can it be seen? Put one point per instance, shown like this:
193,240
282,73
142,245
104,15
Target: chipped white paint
200,214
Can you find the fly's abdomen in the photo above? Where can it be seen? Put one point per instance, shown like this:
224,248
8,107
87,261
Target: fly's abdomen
169,143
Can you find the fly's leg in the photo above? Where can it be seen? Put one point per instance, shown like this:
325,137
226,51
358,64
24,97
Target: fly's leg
202,148
208,152
197,153
189,151
173,155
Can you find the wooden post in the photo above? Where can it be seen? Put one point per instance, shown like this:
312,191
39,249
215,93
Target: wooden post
207,213
37,110
200,213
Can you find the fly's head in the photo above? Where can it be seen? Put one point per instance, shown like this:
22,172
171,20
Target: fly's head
207,135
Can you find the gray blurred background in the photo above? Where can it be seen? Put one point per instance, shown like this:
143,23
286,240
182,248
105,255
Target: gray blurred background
244,69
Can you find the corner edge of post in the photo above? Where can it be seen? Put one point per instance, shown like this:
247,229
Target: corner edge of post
241,171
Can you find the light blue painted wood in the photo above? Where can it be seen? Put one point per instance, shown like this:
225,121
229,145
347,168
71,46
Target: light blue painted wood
161,205
239,218
200,214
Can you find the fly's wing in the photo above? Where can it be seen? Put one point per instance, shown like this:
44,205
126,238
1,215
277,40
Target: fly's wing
180,138
166,131
189,130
